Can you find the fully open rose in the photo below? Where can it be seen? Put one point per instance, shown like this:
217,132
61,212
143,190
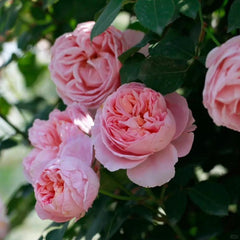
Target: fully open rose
65,189
221,94
4,222
140,130
86,71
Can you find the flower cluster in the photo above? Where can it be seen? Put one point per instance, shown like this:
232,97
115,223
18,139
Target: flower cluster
133,127
60,165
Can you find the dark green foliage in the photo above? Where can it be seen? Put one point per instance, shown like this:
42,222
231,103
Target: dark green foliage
211,197
21,204
107,17
154,14
30,69
179,35
233,17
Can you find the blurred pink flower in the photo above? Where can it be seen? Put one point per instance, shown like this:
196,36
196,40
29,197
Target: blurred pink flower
140,130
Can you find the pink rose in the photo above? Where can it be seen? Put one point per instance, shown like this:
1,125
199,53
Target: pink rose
84,71
221,94
4,222
62,135
87,72
140,130
65,189
61,126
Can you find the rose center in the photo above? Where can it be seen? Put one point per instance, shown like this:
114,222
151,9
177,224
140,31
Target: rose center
50,186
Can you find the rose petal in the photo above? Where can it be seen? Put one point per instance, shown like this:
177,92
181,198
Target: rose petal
183,144
80,147
179,108
156,170
133,37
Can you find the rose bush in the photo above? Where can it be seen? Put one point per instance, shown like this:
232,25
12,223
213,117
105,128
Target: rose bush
221,94
140,130
87,72
4,222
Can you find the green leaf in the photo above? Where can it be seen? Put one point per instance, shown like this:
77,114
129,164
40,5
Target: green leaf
117,219
111,182
20,204
175,206
107,17
188,8
32,36
57,231
30,69
8,16
131,67
233,16
4,106
211,197
99,217
174,46
154,14
137,26
163,74
8,143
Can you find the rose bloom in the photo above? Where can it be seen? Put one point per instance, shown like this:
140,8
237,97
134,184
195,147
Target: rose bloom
64,133
61,126
140,130
221,94
4,222
86,71
65,188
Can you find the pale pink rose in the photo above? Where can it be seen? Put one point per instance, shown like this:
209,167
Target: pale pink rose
65,189
37,159
86,71
140,130
221,94
61,127
64,134
4,222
